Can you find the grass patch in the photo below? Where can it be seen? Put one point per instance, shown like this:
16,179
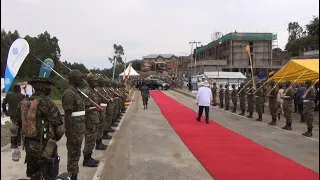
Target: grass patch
5,134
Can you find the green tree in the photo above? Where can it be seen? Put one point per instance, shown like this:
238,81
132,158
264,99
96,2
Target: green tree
313,27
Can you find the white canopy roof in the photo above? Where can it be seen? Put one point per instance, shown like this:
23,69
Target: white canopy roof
225,75
129,70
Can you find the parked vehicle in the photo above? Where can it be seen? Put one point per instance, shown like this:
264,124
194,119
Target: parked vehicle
156,84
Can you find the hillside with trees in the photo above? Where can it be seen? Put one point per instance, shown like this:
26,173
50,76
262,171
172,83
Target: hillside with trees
46,46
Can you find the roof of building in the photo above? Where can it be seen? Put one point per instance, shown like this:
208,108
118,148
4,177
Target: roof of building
240,36
225,75
153,56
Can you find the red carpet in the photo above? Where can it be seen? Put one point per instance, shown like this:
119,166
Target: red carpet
225,154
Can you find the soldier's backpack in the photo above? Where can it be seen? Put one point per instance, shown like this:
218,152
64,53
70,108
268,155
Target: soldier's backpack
29,117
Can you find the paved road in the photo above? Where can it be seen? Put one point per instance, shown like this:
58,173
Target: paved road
290,144
147,148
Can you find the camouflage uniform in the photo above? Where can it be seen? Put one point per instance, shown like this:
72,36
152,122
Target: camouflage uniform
145,95
214,94
40,133
259,101
288,96
234,98
242,98
250,100
308,108
110,107
221,96
273,103
265,92
116,108
227,96
73,105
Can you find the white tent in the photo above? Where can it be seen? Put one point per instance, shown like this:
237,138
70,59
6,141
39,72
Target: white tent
129,70
226,77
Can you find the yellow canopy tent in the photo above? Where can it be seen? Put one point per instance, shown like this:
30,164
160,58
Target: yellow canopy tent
295,67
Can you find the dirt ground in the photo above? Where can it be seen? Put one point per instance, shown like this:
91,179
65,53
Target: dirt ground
5,134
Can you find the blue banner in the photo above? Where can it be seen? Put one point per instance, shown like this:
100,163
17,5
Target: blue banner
45,71
17,53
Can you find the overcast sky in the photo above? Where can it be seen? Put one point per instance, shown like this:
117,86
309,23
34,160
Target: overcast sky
87,29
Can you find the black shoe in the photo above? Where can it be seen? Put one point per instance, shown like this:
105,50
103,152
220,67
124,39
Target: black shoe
94,160
308,133
250,115
74,176
198,119
100,145
114,124
106,136
111,130
87,162
259,118
207,121
287,127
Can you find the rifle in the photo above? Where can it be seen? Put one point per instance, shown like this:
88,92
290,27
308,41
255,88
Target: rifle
294,83
244,87
309,88
276,84
98,107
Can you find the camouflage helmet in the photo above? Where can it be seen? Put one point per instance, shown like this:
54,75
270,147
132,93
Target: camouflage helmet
221,86
76,74
93,78
241,84
271,82
214,83
308,81
287,83
233,85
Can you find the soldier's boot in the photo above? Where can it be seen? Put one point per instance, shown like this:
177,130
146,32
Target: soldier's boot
144,106
221,106
207,121
242,113
114,124
302,119
278,116
74,176
234,110
287,126
87,162
100,145
227,108
94,160
308,133
273,122
259,118
111,130
250,115
106,135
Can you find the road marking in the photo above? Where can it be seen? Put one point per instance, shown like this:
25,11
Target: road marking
103,160
292,132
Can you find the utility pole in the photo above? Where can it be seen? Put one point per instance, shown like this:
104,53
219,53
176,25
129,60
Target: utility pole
195,56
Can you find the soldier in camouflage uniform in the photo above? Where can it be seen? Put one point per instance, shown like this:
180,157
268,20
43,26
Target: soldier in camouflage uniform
145,95
308,107
116,100
265,92
226,96
234,98
104,123
74,108
273,103
250,100
110,107
92,122
214,94
221,96
287,97
259,101
242,98
41,124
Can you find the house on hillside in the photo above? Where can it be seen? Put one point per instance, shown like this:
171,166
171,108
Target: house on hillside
159,62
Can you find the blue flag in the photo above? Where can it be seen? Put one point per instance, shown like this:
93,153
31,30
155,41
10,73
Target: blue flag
45,71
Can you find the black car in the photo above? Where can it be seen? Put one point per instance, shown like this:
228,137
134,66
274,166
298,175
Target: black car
156,84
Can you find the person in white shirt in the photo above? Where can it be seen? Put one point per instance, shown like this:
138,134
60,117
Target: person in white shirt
204,98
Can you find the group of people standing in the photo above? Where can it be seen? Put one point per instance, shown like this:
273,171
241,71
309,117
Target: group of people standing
92,106
280,99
